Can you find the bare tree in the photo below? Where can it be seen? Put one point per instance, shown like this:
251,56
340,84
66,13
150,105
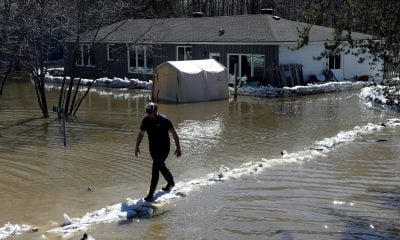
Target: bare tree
38,28
5,12
35,34
69,101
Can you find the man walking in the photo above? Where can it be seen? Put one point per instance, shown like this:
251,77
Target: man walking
158,127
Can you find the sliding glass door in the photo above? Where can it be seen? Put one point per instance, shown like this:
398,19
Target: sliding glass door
248,66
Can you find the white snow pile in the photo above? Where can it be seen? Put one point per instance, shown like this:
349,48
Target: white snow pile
104,82
53,75
319,149
375,95
11,230
269,91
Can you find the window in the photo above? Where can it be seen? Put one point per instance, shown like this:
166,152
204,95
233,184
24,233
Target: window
113,52
258,64
334,61
140,59
149,59
215,56
184,53
247,65
85,56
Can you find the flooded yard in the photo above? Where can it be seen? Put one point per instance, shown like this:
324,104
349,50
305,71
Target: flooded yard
350,192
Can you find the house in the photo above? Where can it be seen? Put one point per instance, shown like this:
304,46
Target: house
254,43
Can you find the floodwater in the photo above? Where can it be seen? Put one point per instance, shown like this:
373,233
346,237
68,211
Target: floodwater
351,193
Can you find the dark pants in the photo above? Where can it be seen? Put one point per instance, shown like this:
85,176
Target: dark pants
159,158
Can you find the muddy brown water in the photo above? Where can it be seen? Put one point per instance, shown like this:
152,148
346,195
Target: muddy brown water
352,193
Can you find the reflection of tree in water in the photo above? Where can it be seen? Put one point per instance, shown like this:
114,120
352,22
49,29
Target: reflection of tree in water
233,59
290,107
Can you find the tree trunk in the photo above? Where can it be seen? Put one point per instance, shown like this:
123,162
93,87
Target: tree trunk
5,77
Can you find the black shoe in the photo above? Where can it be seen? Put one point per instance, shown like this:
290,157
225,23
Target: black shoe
149,199
168,187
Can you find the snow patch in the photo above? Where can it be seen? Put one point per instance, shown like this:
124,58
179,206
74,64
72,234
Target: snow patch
11,230
103,82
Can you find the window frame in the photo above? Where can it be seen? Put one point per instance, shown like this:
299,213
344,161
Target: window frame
137,68
240,62
184,53
334,60
110,49
81,60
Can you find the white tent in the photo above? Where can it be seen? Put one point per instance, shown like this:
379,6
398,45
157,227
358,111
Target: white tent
190,81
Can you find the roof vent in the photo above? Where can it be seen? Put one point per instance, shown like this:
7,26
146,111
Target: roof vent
267,11
276,17
221,32
197,14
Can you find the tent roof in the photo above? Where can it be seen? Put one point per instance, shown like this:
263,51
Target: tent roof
194,66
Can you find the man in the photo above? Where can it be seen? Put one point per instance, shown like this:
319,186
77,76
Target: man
158,127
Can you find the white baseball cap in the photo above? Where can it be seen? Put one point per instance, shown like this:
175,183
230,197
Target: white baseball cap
151,107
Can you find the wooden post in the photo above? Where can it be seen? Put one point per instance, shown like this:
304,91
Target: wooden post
5,76
235,83
64,128
282,75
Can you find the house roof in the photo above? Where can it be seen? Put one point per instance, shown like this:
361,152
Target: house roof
239,29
